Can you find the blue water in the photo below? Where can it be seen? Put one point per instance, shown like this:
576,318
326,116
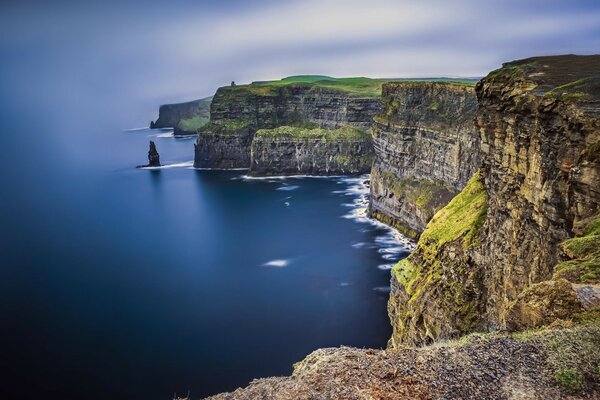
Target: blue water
118,282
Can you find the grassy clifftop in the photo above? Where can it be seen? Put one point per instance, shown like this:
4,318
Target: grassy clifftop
358,86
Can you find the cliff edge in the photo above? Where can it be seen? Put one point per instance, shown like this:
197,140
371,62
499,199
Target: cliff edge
426,148
486,261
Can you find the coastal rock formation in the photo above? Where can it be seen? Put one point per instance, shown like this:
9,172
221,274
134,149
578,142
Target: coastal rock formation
237,112
513,225
184,118
288,151
550,364
516,248
426,149
153,157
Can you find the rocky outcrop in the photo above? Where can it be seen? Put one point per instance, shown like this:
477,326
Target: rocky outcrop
153,157
183,117
426,149
237,112
550,364
539,186
293,151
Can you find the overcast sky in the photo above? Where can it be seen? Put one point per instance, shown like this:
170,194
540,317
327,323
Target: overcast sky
181,50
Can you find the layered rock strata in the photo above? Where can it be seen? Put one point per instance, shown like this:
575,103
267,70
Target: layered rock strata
512,226
294,151
237,112
426,149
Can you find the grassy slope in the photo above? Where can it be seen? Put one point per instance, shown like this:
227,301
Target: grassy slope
197,121
358,86
345,132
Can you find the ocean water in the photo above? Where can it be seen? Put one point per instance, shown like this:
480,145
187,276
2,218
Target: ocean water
119,282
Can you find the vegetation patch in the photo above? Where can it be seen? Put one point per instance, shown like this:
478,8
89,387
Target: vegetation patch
295,132
422,273
462,218
584,254
223,126
192,124
358,86
569,378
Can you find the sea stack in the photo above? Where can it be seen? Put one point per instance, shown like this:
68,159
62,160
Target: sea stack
153,157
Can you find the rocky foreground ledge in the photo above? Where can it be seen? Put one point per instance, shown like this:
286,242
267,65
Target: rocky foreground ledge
555,363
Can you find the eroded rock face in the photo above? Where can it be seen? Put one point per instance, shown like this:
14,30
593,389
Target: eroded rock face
541,304
539,121
238,112
310,156
426,149
169,115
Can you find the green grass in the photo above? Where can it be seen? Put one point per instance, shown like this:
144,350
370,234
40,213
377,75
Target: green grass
358,86
422,272
345,132
569,378
223,126
192,124
584,254
462,217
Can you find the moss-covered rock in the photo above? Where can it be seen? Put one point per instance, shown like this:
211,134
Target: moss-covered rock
426,150
434,292
583,265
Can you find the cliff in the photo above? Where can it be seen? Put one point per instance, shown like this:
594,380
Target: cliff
185,118
426,149
288,150
237,112
495,257
518,248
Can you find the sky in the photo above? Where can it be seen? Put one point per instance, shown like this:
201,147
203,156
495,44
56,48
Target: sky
181,50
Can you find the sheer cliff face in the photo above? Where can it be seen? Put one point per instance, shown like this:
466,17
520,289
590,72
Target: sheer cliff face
540,125
274,154
426,149
238,112
538,186
169,115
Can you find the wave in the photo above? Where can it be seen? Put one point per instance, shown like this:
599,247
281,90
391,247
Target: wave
277,263
280,177
185,164
145,128
392,245
288,187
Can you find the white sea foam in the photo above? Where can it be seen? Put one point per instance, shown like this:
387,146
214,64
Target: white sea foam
175,165
144,128
280,177
392,244
276,263
288,187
